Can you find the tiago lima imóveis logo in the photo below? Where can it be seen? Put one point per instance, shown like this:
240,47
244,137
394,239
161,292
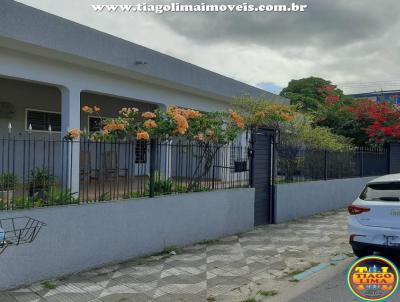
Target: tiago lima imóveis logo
373,278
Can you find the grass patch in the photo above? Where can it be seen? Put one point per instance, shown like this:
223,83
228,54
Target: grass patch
211,299
267,293
250,300
212,241
49,285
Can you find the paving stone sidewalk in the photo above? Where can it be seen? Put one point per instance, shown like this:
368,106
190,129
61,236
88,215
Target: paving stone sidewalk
231,269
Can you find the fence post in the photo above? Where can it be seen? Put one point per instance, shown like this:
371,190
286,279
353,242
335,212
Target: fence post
326,165
393,158
153,154
361,163
250,154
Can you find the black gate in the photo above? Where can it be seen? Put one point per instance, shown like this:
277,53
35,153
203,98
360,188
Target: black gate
262,167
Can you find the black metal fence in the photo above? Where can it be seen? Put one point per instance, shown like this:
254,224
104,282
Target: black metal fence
37,172
297,164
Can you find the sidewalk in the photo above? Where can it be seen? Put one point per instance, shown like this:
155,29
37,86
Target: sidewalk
257,263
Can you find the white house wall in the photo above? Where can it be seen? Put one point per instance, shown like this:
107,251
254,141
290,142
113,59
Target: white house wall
29,67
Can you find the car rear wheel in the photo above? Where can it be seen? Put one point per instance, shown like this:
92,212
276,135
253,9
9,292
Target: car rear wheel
363,252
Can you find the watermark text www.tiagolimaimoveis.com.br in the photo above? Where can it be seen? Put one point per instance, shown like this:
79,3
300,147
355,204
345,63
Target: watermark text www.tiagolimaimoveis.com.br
176,7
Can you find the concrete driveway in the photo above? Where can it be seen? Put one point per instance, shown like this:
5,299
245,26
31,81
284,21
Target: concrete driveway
257,264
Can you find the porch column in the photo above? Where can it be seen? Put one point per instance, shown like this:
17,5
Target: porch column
71,118
166,159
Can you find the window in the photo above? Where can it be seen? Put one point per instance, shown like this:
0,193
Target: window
41,120
389,191
141,152
94,124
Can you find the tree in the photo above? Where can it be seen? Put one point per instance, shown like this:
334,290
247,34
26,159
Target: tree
302,132
341,121
312,93
379,121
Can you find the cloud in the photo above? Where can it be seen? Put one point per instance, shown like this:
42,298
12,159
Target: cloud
325,24
340,40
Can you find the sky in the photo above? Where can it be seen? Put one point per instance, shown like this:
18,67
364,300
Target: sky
352,43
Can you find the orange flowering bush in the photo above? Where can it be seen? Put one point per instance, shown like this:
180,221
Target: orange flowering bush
215,127
258,112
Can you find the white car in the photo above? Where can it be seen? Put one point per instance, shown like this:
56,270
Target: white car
374,221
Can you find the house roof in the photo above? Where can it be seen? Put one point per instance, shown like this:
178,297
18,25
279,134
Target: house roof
375,93
33,30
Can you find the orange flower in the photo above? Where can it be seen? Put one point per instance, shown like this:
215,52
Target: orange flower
142,135
112,126
186,113
237,119
181,123
96,109
87,109
189,114
150,124
149,115
74,133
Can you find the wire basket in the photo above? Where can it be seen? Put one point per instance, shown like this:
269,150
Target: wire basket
18,230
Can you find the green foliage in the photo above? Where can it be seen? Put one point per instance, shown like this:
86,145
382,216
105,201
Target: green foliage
162,185
29,202
49,285
309,93
41,178
268,293
302,132
105,196
8,181
135,194
60,197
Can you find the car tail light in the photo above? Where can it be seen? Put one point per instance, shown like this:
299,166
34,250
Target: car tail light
352,236
356,210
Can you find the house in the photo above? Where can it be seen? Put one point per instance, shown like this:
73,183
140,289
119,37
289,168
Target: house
50,67
392,96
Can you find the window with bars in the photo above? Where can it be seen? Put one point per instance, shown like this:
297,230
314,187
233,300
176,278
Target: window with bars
94,124
141,152
41,120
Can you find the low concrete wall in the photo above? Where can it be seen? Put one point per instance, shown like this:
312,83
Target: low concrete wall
304,199
80,237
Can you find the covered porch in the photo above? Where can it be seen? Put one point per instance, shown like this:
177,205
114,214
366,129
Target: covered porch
38,167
